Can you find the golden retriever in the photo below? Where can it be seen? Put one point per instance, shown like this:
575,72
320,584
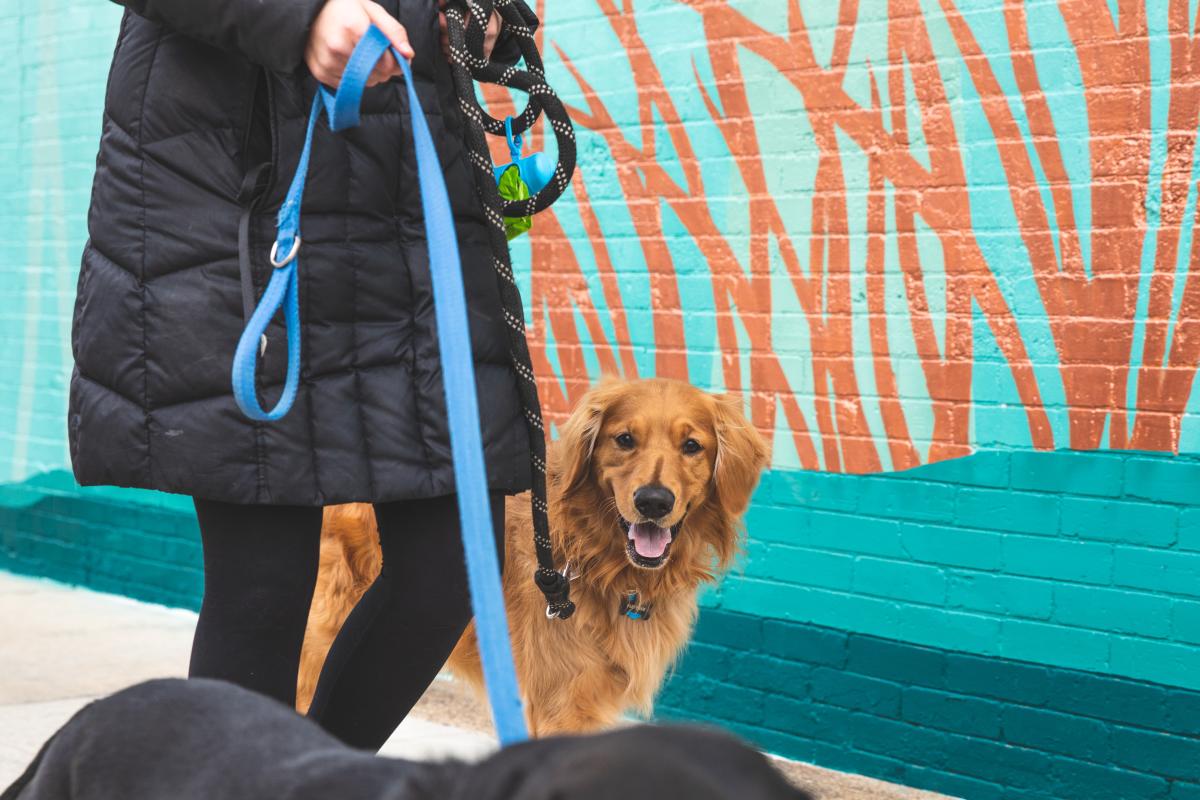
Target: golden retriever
647,485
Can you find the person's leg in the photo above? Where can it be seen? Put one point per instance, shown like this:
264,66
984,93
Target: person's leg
260,567
402,631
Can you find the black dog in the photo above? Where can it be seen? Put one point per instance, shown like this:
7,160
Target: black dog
199,740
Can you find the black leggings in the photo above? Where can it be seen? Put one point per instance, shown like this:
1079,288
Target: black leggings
260,567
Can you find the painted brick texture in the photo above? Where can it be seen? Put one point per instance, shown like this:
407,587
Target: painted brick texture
139,544
978,631
903,231
968,725
1011,569
940,653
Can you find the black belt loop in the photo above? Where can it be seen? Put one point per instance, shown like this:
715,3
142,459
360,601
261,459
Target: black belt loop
249,198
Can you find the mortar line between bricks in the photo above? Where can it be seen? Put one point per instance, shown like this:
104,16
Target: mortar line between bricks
1001,618
1050,755
950,651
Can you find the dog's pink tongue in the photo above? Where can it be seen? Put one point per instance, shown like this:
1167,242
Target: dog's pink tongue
649,540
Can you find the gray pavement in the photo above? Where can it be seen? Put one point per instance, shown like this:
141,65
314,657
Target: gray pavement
62,646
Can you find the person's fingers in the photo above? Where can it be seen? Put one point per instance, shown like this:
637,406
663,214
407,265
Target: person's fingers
324,66
377,76
344,37
335,33
392,29
385,69
328,68
491,34
443,34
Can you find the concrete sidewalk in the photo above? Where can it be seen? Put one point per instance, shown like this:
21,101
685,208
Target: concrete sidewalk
61,647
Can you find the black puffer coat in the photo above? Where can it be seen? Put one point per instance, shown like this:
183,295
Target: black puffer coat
202,92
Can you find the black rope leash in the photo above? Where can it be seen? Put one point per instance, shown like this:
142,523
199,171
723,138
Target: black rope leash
465,21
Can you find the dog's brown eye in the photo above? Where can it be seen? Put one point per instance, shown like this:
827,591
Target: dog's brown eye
624,441
691,447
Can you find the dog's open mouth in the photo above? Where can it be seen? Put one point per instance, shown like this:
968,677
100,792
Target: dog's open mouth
648,545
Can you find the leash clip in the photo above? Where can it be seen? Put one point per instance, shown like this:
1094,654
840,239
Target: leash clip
288,258
566,573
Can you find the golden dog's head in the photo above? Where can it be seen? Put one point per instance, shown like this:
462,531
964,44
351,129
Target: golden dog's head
663,470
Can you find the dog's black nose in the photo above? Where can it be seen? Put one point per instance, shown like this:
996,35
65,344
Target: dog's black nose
653,502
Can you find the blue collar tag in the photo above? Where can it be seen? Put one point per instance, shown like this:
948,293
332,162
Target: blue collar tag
631,605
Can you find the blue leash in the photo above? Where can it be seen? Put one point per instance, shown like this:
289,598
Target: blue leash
458,374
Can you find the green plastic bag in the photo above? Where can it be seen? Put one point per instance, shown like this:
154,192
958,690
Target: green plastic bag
513,188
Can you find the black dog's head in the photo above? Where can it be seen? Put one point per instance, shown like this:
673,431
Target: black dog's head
199,739
644,762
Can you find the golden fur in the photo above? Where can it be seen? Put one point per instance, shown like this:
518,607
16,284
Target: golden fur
581,674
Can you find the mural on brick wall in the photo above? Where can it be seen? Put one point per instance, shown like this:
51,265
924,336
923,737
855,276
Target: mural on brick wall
902,229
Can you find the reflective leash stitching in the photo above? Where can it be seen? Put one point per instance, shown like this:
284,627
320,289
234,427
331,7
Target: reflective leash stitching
466,32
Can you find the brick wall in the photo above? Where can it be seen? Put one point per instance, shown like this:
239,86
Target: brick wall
141,544
1007,625
55,53
959,723
903,235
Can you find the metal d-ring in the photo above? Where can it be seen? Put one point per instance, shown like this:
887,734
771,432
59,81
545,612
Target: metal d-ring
291,253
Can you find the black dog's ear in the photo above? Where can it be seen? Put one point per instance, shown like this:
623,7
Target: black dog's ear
577,436
741,454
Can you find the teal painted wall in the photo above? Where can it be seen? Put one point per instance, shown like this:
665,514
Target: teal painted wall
900,253
57,55
918,627
1086,561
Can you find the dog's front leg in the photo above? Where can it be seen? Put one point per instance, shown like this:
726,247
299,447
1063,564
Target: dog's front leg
571,711
566,722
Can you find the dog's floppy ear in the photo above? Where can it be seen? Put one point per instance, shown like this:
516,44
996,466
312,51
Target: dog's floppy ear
577,436
741,454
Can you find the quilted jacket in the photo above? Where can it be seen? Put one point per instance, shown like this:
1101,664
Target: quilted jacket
203,124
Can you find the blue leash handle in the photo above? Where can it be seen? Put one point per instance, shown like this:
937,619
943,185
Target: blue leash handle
454,345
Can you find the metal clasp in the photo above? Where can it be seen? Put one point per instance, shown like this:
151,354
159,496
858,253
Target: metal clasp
291,253
566,573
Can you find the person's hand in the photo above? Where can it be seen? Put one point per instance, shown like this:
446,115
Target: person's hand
490,33
337,29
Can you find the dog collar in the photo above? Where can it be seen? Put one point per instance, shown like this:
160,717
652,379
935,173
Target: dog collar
632,607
